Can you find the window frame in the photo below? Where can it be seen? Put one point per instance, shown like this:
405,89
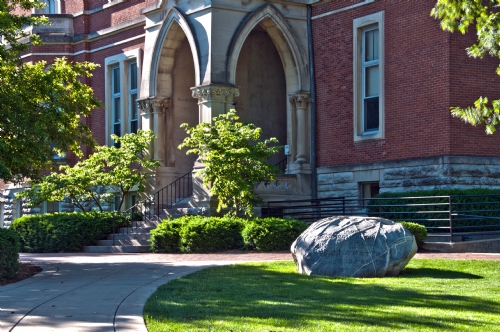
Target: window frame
360,26
132,105
45,206
116,101
51,7
123,62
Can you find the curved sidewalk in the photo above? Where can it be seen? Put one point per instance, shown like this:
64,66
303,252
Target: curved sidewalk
107,292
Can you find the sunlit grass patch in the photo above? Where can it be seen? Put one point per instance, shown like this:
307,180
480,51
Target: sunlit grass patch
428,295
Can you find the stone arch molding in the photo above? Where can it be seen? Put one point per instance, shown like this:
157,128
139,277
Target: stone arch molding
172,32
292,55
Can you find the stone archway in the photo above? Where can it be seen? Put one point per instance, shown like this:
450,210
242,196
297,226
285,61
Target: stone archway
297,81
262,88
170,71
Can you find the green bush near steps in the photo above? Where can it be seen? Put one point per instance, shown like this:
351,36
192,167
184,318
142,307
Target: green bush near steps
418,231
272,234
65,232
210,234
9,254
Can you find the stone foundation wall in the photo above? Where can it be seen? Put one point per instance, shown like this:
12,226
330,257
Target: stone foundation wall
446,172
10,207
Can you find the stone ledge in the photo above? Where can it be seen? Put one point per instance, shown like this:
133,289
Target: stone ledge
480,246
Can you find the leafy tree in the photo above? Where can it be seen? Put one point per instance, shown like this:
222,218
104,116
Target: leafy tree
40,106
234,158
95,181
460,15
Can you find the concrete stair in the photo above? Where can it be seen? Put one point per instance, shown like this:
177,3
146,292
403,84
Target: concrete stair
136,238
128,239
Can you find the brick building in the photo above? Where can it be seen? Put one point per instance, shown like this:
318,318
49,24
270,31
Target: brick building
369,113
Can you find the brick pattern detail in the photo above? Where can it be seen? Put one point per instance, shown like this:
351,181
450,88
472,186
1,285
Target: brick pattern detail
426,71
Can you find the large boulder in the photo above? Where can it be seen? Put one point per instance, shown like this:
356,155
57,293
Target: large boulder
354,247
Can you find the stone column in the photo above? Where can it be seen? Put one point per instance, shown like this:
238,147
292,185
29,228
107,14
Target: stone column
300,103
214,99
153,111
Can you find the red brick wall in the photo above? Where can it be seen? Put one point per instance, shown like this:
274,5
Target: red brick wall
421,83
469,79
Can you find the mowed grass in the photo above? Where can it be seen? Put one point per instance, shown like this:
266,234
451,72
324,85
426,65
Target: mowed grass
429,295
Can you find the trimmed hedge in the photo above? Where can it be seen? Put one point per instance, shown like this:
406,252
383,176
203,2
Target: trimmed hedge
471,203
418,231
9,254
165,237
65,232
272,234
210,234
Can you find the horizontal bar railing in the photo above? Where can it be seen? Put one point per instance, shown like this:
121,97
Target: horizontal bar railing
439,214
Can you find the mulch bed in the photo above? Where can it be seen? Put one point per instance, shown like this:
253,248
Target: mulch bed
26,270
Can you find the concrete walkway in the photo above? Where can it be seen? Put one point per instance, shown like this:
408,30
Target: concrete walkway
107,292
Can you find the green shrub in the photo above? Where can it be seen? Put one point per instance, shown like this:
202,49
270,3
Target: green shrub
65,232
165,237
418,231
394,210
9,254
270,234
202,234
210,234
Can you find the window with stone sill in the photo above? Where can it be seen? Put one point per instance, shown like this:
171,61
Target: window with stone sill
122,92
368,87
51,207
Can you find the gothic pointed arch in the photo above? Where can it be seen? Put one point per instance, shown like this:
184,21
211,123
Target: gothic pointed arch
172,33
292,54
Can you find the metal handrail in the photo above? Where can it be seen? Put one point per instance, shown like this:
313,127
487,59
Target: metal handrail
282,165
314,209
166,197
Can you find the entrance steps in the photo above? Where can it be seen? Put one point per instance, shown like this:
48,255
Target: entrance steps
128,239
135,239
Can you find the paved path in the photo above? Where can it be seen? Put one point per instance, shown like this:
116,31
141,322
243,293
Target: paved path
107,292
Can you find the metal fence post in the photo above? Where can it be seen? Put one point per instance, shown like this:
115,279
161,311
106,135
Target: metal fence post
451,218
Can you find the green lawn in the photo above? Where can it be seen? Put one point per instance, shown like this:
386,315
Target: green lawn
429,295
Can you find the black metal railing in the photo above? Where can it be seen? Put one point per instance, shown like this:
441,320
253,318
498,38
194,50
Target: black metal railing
152,207
441,215
282,165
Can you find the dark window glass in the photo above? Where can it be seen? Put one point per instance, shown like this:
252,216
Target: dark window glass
134,126
371,114
116,80
133,76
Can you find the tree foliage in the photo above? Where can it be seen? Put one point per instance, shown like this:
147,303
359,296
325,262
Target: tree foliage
95,181
484,15
234,157
40,106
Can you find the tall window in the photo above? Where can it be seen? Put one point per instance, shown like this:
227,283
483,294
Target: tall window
19,208
369,77
132,83
116,104
122,92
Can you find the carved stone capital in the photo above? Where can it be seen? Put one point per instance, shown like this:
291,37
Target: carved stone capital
217,93
153,105
300,100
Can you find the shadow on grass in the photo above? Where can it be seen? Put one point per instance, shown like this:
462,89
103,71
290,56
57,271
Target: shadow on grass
437,274
244,293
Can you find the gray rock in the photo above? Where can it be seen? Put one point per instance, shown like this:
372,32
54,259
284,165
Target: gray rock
354,247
